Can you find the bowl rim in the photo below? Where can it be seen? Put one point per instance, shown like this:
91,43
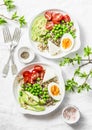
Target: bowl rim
24,111
66,107
30,51
57,56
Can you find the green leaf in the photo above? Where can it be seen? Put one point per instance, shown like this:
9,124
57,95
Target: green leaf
66,61
77,71
91,73
22,21
87,51
71,85
15,16
82,87
2,21
80,74
78,58
9,4
83,75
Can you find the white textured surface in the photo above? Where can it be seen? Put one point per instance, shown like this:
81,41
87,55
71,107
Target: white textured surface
10,118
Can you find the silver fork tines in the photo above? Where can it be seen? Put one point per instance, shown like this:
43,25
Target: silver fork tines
7,35
16,36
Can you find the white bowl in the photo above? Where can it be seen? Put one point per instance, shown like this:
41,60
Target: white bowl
48,109
30,57
62,54
67,119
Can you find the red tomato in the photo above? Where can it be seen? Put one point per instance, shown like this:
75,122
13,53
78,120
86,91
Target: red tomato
57,16
48,15
34,71
34,77
38,68
55,21
42,74
49,25
26,79
27,74
31,81
66,18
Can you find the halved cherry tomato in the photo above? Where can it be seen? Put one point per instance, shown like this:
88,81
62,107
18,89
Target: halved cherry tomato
26,79
35,76
42,74
66,18
48,15
55,21
34,71
57,17
31,81
27,74
49,25
38,68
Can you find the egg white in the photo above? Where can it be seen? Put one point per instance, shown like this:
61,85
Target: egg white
67,35
58,97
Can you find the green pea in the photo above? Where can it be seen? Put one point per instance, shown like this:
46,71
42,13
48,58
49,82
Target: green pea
45,93
40,93
29,85
62,21
60,33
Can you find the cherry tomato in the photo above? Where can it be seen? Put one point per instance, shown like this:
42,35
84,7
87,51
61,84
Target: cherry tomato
66,18
42,74
55,21
49,25
57,16
38,68
48,15
34,71
26,79
27,74
31,81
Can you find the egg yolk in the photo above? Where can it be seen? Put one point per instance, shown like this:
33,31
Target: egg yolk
55,90
66,43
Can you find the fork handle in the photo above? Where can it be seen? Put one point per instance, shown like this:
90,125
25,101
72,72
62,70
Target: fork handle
6,67
13,66
5,70
14,69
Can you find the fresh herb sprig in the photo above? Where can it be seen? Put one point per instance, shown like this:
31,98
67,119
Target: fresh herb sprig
15,17
72,84
9,4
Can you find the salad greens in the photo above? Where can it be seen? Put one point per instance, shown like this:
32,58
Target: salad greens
30,102
33,97
34,94
58,31
51,25
72,84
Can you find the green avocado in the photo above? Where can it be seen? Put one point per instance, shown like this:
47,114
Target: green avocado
38,28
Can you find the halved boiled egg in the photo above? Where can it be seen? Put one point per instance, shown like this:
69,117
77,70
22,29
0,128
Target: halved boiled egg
67,42
54,91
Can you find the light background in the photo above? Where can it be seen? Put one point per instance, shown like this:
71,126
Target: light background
10,118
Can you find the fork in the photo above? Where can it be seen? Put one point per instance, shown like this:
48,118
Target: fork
16,38
7,39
